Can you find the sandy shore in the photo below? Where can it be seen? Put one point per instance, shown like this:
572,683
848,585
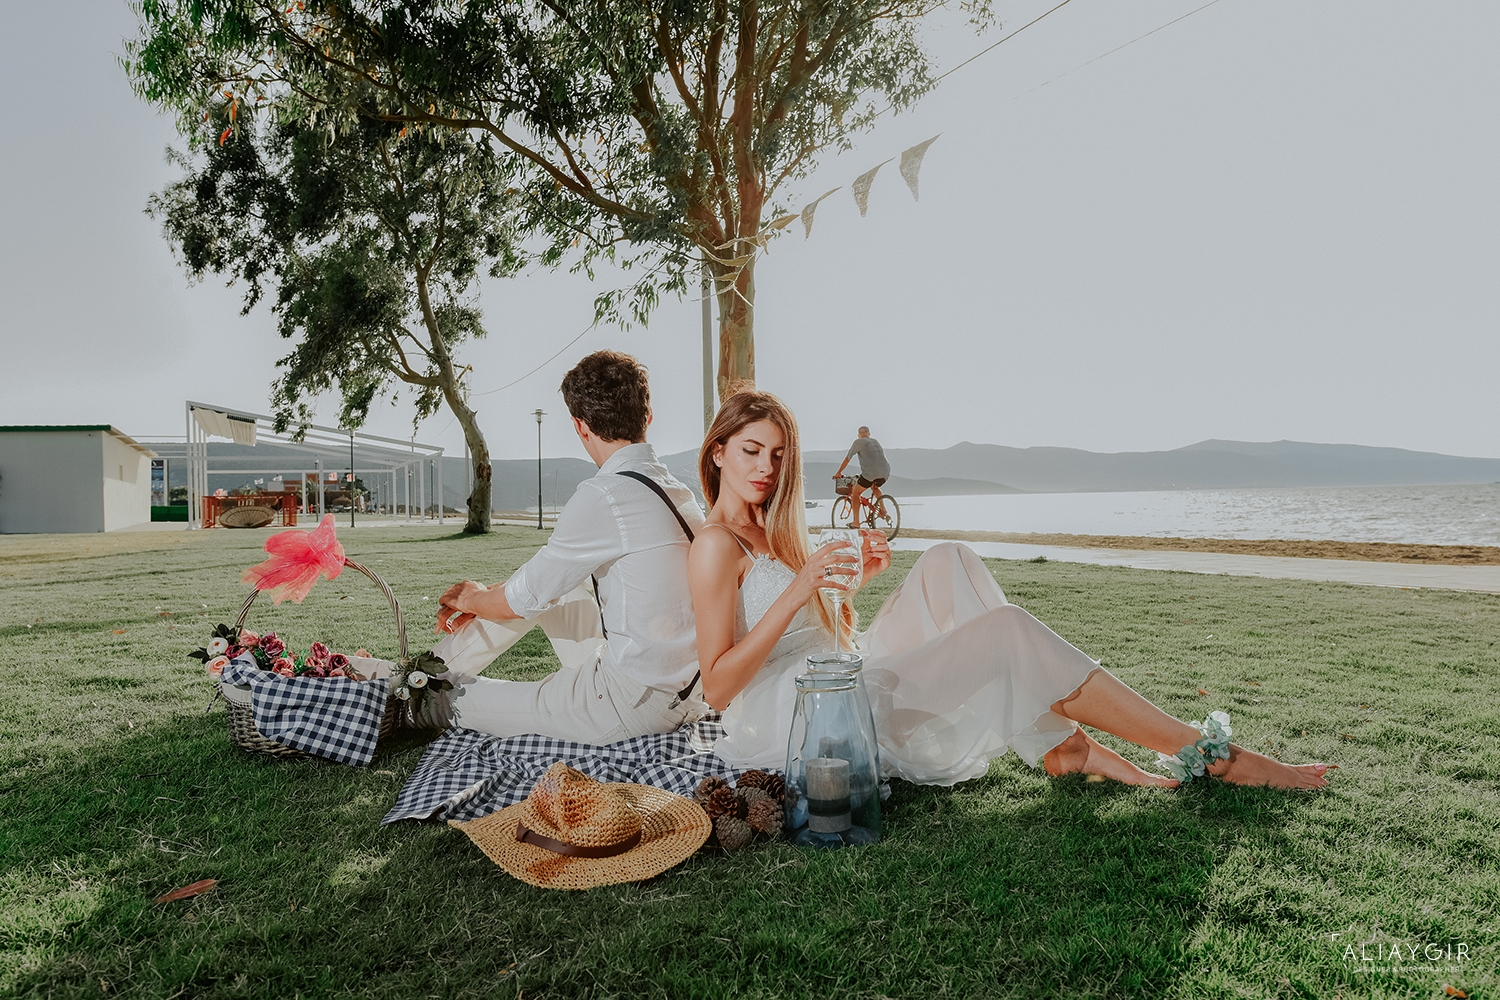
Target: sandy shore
1443,555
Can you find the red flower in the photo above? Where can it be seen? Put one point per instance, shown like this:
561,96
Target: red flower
272,644
298,558
315,670
338,661
318,651
284,667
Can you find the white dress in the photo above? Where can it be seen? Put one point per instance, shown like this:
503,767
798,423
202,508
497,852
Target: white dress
956,675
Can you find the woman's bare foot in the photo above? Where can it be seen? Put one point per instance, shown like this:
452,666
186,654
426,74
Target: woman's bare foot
1246,767
1082,753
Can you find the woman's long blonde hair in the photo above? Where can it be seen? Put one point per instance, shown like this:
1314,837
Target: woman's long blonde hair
783,512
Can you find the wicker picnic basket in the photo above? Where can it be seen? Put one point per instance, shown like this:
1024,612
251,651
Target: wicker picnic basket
242,729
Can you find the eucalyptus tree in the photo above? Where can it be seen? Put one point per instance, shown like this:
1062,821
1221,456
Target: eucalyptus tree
680,123
370,238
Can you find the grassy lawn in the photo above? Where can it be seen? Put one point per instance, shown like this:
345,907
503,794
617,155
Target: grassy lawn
115,787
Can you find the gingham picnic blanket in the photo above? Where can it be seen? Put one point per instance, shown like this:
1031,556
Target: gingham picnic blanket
328,717
466,774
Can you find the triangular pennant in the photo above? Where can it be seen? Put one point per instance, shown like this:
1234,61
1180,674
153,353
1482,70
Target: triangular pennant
807,213
861,186
911,162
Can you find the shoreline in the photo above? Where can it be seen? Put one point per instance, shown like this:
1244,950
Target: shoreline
1389,552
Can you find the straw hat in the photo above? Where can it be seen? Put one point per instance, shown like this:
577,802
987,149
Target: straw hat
572,832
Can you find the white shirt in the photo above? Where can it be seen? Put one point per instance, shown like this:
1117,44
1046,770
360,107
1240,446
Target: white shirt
618,529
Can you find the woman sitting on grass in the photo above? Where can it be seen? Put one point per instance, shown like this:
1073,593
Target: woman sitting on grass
956,675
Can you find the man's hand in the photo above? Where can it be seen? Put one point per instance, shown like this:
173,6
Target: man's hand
456,607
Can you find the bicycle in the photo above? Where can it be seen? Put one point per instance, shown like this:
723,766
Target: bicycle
882,515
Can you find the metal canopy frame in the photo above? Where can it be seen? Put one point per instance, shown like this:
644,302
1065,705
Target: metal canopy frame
409,464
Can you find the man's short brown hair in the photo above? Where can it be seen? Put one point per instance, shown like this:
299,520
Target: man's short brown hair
608,391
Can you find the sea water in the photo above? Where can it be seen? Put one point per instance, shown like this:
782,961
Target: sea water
1434,515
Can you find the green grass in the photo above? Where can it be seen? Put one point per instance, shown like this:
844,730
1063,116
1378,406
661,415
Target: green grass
115,787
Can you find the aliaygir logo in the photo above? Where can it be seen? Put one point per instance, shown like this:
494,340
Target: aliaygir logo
1370,951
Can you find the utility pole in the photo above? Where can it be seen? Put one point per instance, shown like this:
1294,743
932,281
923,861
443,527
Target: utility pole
351,477
539,415
708,350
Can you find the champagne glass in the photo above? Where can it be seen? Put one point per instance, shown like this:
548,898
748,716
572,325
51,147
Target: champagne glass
849,575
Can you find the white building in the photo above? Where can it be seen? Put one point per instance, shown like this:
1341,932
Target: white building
73,479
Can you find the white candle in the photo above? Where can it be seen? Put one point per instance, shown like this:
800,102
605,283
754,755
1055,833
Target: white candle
828,795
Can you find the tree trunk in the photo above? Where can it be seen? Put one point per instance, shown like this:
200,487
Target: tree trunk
736,294
479,500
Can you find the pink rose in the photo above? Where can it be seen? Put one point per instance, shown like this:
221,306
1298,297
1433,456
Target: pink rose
272,644
216,666
337,672
315,670
338,661
249,639
284,667
318,651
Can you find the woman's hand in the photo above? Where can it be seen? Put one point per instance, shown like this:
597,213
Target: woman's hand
876,554
814,575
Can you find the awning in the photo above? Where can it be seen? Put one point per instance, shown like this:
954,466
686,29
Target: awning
215,423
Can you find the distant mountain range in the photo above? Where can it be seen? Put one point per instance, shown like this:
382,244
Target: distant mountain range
991,468
1206,465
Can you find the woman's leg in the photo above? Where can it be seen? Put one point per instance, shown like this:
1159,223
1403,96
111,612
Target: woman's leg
1107,703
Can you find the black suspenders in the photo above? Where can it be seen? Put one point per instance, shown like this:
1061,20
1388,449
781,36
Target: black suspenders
655,488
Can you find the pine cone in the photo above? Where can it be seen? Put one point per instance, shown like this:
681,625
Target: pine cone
707,787
772,784
765,816
734,834
750,796
723,802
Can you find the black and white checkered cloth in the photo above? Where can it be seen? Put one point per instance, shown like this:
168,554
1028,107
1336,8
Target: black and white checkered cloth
325,716
465,774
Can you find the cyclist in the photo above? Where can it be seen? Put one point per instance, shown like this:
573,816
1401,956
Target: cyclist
873,471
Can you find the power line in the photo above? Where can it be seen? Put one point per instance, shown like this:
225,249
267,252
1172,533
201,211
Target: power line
544,364
1002,41
1126,45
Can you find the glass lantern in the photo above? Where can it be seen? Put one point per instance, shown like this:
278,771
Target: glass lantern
852,664
832,773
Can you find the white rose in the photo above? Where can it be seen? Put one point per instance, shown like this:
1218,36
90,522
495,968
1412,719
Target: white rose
217,646
416,679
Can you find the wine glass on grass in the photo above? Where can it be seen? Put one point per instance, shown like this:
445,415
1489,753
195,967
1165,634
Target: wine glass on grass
850,573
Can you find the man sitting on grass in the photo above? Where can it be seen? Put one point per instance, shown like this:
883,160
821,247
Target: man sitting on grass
629,661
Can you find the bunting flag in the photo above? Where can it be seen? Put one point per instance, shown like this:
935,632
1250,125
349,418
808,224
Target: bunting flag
807,213
911,162
861,186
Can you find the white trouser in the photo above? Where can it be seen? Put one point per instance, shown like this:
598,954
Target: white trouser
585,701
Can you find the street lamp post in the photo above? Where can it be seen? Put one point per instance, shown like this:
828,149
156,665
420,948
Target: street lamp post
351,477
539,415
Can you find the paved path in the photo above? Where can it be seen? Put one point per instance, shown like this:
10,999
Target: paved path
1485,579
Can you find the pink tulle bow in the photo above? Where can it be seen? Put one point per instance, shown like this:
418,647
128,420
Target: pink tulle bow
298,558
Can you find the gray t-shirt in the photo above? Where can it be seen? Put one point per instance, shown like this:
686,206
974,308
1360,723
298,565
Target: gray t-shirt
872,463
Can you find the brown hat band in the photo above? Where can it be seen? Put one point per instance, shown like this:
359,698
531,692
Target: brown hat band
526,835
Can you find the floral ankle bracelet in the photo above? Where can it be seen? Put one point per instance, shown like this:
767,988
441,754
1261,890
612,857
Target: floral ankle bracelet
1192,761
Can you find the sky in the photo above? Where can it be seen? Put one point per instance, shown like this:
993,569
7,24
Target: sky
1272,219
